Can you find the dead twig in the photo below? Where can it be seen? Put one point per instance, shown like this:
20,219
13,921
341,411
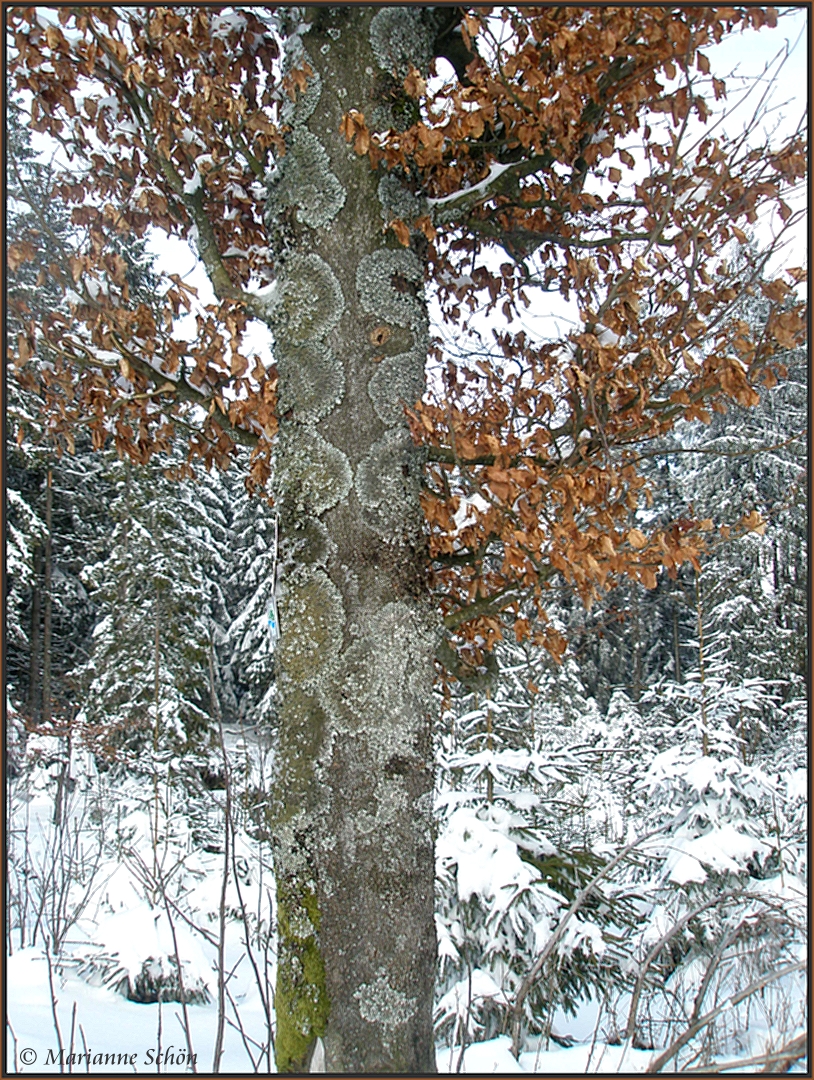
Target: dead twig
730,1003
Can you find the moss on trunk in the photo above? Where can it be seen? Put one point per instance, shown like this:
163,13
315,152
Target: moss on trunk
301,999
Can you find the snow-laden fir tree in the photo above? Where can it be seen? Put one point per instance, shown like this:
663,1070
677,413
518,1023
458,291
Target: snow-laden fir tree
160,608
57,502
251,583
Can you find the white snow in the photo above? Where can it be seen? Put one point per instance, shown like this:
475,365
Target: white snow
193,184
115,924
495,170
227,22
107,1023
495,1056
468,508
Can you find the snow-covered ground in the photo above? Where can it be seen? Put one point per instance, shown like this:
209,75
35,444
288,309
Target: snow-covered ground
104,905
133,879
122,1036
495,1056
119,1035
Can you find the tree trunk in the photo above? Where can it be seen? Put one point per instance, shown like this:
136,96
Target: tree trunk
47,603
353,789
699,611
34,681
636,687
676,646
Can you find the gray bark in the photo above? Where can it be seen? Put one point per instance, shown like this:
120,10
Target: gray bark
353,788
47,603
34,683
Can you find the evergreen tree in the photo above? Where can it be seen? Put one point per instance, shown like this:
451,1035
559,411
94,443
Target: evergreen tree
57,520
160,605
251,582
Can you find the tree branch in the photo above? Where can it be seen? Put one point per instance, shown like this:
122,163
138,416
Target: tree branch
713,1014
504,180
530,979
487,605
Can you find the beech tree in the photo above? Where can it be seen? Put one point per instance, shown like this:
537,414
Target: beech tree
331,167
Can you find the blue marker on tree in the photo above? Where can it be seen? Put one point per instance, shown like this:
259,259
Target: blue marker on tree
273,622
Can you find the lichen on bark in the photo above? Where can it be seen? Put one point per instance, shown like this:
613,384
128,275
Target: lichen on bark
307,543
312,475
312,617
381,683
391,286
397,381
300,108
303,181
309,300
387,479
400,39
380,1004
397,201
312,381
301,999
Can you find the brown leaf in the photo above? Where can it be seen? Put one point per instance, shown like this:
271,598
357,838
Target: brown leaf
753,522
239,365
426,226
401,231
19,253
648,577
414,84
